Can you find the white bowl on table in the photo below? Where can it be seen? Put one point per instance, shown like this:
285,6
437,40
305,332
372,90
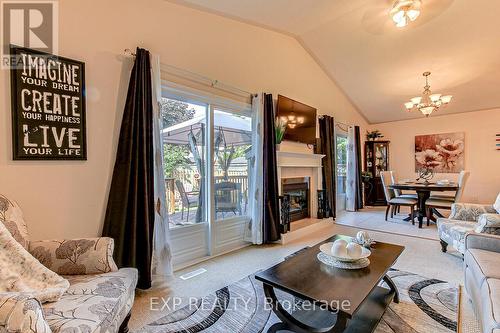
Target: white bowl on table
327,249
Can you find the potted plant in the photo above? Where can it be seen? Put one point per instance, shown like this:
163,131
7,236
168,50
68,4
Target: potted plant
373,135
279,129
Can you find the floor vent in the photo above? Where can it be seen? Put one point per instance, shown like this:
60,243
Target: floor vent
192,274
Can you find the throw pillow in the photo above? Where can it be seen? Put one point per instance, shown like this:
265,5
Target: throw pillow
76,256
12,218
21,272
496,205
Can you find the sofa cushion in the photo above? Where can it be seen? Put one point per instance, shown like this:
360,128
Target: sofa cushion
490,296
453,232
403,201
93,303
483,264
12,217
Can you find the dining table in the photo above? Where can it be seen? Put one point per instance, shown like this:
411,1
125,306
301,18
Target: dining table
423,193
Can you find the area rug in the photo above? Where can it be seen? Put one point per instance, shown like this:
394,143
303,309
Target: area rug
426,305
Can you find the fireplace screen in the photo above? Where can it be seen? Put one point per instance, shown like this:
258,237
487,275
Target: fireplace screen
298,190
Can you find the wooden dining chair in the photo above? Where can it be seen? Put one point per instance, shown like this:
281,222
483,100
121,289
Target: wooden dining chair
399,193
463,176
394,202
443,202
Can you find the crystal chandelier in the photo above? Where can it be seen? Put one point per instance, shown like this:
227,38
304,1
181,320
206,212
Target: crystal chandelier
405,11
428,102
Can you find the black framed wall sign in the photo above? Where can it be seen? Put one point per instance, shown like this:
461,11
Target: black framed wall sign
48,106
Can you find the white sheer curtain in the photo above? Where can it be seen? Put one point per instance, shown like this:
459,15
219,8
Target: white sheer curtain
162,255
350,204
255,174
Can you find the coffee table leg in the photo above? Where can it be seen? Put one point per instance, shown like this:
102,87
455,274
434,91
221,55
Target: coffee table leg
291,324
277,327
393,287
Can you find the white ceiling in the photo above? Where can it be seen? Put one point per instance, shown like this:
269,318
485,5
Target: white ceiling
380,66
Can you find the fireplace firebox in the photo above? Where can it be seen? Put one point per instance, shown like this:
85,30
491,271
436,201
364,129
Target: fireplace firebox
298,191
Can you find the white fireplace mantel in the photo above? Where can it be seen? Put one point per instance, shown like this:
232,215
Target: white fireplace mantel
292,164
302,160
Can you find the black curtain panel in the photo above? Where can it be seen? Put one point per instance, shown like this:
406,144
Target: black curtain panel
359,196
327,147
271,219
130,211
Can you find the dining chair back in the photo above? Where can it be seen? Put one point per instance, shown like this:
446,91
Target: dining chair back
462,180
397,193
385,176
394,203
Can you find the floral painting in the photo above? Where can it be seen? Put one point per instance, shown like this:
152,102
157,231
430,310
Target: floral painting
443,153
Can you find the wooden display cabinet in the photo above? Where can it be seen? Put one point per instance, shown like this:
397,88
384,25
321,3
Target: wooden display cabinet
376,160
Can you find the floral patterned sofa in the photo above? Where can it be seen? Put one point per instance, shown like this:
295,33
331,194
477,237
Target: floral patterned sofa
100,295
466,218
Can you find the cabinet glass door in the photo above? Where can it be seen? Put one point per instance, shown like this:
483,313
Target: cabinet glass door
381,158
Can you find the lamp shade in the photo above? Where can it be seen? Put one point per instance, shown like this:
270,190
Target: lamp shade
446,99
435,97
413,14
427,110
409,105
405,11
416,100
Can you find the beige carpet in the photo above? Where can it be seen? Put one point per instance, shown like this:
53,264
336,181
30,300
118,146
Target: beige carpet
373,218
426,305
421,256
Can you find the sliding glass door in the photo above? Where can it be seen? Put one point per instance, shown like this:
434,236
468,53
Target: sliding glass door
232,143
341,154
207,144
185,134
184,160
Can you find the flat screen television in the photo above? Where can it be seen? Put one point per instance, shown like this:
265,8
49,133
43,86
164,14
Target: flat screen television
300,120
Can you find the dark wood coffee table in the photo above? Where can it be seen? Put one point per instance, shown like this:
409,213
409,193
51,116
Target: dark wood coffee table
330,289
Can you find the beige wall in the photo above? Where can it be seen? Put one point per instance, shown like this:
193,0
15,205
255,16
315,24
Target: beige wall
481,158
67,199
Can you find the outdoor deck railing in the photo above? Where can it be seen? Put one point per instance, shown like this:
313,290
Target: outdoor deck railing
173,195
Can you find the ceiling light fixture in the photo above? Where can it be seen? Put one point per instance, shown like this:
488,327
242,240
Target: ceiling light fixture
405,11
428,102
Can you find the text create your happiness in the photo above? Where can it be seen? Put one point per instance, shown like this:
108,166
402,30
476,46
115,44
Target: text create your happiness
42,72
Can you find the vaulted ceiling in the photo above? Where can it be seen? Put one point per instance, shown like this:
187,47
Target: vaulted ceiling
380,66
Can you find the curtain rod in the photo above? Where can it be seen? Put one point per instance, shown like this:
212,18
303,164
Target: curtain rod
338,123
212,82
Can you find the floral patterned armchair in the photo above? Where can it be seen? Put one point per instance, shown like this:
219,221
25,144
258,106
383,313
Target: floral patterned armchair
100,295
466,218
